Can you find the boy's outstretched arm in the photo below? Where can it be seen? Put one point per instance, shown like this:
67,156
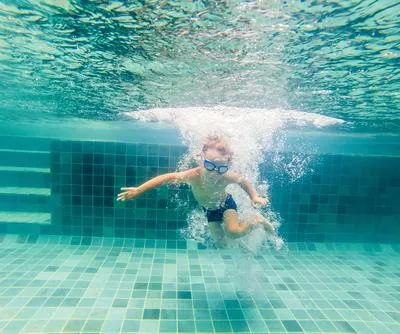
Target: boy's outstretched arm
133,192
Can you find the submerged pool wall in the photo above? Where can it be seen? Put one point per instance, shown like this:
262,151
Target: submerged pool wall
347,196
344,198
87,176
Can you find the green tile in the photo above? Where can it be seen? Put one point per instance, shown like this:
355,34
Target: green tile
239,325
168,326
93,326
292,326
275,326
72,298
344,326
204,326
222,326
111,326
325,325
257,326
54,326
120,303
185,315
309,326
74,325
186,326
14,326
149,326
151,314
268,314
235,314
130,326
202,315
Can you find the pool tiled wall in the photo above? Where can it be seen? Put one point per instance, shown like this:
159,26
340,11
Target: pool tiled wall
344,198
87,176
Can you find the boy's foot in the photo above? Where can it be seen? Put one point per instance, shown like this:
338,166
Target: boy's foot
265,223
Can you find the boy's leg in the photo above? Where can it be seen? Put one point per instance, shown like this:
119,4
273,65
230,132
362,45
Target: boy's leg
218,234
234,227
265,223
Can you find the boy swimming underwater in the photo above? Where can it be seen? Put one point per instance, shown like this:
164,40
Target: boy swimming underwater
208,182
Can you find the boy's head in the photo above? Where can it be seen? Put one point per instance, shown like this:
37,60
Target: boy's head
217,148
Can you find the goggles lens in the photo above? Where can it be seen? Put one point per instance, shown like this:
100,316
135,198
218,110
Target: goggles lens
210,166
222,169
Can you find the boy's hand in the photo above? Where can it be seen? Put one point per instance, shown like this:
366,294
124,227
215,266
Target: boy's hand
129,193
259,200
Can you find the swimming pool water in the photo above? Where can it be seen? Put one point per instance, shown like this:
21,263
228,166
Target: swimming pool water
99,58
74,261
61,284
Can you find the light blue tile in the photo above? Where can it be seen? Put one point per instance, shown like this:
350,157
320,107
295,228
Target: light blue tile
111,326
320,302
149,326
14,326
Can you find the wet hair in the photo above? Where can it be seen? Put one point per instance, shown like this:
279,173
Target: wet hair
219,143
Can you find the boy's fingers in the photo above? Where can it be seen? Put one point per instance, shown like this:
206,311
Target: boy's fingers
259,202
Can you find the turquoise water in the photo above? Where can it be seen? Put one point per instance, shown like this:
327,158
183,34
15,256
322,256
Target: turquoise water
308,93
82,285
90,272
99,58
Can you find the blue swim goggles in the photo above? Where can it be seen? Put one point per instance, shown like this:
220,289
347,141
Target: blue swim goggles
210,166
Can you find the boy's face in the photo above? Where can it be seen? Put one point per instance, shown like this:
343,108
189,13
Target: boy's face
220,161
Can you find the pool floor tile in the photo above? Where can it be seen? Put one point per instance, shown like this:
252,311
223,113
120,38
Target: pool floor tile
54,285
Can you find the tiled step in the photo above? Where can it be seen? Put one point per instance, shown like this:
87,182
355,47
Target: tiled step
23,158
24,177
25,199
25,143
25,217
25,191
